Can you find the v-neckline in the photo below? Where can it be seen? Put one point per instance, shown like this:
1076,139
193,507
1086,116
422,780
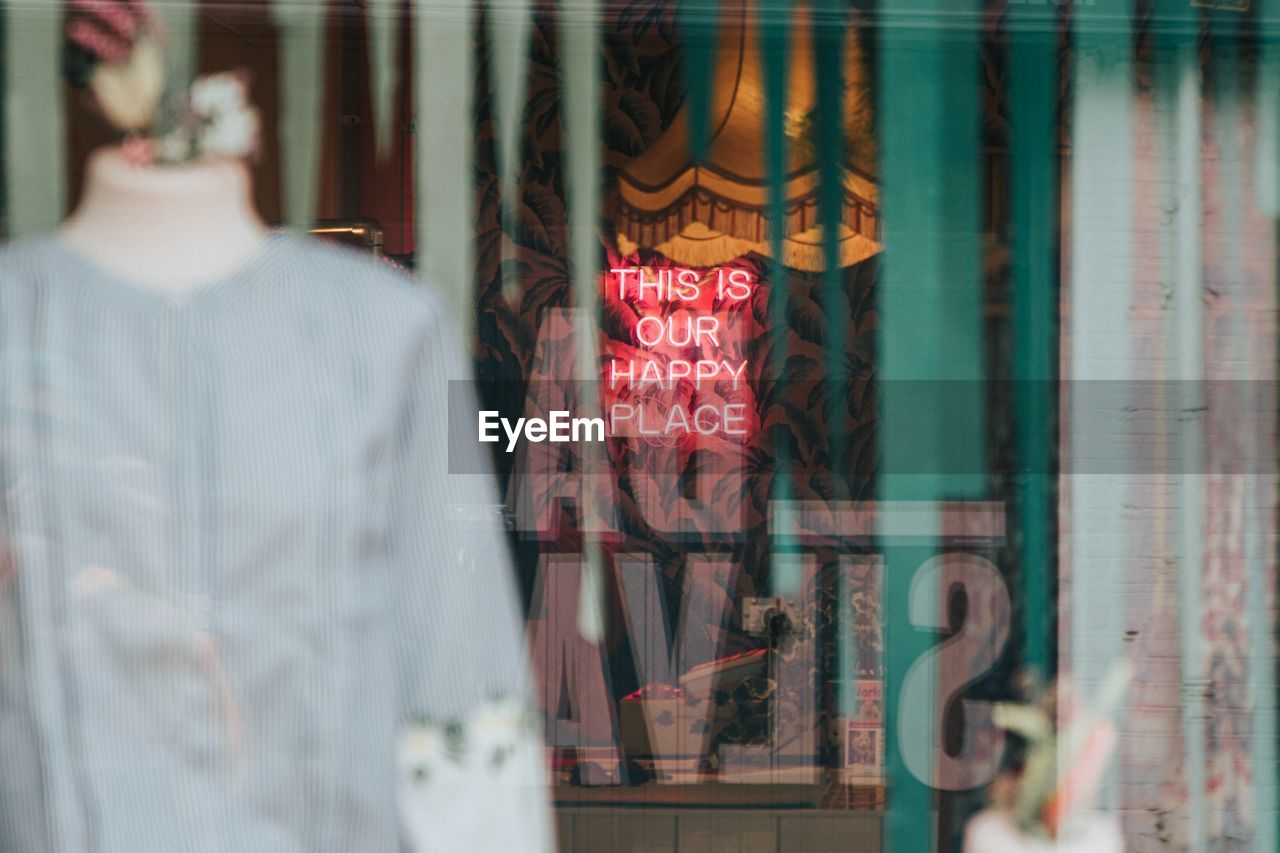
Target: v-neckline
237,280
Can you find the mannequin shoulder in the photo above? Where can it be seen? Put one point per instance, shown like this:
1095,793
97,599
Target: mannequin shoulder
364,285
29,268
26,257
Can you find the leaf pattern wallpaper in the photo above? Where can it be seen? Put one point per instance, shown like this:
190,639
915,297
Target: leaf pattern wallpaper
643,89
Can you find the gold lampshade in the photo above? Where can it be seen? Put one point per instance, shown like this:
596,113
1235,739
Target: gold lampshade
709,213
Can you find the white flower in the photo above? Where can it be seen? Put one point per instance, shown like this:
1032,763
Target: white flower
217,94
229,124
230,134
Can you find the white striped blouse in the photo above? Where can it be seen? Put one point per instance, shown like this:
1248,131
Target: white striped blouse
236,566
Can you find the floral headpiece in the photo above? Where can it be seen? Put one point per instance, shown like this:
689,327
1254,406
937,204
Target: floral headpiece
113,50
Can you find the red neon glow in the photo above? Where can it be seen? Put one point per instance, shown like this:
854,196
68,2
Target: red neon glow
683,374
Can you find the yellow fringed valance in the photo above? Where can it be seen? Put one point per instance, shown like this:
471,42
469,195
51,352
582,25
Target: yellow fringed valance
711,213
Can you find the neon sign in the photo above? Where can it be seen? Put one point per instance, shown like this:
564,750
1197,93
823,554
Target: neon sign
680,377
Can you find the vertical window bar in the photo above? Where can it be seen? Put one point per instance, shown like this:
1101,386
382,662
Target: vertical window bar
1178,92
180,48
509,25
700,36
1100,351
775,29
1267,108
1258,624
301,24
932,442
444,85
580,39
1262,674
1033,84
34,132
830,28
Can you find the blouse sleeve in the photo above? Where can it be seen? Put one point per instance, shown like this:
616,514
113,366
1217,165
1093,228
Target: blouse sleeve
471,772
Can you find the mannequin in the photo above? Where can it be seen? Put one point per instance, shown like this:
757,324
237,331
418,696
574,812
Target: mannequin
251,607
246,603
165,227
